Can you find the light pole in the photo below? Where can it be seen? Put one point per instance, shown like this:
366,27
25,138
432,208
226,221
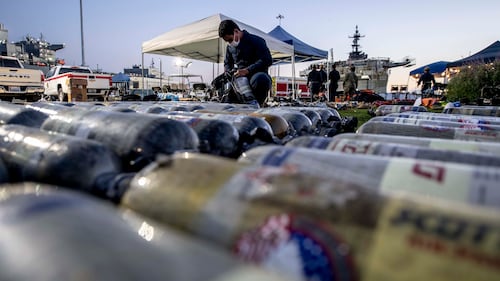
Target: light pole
81,32
161,86
180,63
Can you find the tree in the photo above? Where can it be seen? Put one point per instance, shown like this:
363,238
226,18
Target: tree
472,80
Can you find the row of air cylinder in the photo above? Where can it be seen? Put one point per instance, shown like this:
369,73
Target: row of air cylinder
353,206
42,141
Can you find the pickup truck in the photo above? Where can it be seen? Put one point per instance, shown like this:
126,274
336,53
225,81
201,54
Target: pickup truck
19,82
58,82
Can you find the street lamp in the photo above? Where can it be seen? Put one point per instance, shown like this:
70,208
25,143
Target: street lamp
81,32
181,64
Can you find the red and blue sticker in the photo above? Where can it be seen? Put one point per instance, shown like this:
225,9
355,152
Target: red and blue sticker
299,247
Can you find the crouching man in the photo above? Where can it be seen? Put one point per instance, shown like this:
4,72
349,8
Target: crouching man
248,56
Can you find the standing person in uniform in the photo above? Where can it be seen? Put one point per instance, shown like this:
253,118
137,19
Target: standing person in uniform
248,55
427,80
334,77
350,83
314,82
324,79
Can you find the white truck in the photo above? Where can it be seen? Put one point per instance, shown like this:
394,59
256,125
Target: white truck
59,80
17,82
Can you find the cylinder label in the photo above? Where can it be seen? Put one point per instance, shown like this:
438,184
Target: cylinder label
444,243
442,179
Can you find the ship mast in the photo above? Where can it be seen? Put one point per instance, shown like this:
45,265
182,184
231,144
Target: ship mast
356,54
280,17
81,32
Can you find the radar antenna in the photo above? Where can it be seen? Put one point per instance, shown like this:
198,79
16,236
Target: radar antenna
279,17
356,54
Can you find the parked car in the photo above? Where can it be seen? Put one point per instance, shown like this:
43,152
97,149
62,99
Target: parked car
58,81
19,82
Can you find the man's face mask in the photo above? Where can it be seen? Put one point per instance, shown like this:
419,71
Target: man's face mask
235,42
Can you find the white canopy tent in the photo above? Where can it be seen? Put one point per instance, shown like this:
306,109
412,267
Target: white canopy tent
200,41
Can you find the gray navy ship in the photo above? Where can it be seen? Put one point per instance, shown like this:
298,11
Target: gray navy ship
372,73
34,53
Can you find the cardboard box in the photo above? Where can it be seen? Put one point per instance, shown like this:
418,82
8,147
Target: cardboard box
78,90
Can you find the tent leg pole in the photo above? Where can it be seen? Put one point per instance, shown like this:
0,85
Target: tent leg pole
142,74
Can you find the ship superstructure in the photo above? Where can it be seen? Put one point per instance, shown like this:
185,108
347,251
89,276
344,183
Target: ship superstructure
32,52
372,73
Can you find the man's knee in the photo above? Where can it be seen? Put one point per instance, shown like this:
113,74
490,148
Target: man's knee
260,83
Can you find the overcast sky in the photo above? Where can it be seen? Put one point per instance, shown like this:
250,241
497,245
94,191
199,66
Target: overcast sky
114,30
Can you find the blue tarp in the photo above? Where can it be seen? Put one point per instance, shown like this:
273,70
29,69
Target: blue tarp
303,52
487,55
435,67
120,78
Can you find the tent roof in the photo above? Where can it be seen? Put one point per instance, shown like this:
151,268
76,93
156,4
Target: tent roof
120,78
435,67
200,41
487,55
303,52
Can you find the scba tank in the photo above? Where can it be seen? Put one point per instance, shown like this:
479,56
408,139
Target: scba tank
11,113
476,185
438,143
395,150
279,126
327,121
4,173
428,131
50,234
310,228
136,138
216,137
441,123
469,119
35,155
301,124
252,130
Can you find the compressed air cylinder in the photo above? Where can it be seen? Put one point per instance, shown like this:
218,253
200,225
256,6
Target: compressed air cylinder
11,113
114,106
451,181
217,106
148,108
242,87
278,124
176,106
447,144
4,173
330,122
474,110
216,137
49,108
83,104
314,116
395,150
251,129
49,234
428,131
473,119
440,123
136,138
297,120
311,228
191,106
87,105
393,108
326,115
31,154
